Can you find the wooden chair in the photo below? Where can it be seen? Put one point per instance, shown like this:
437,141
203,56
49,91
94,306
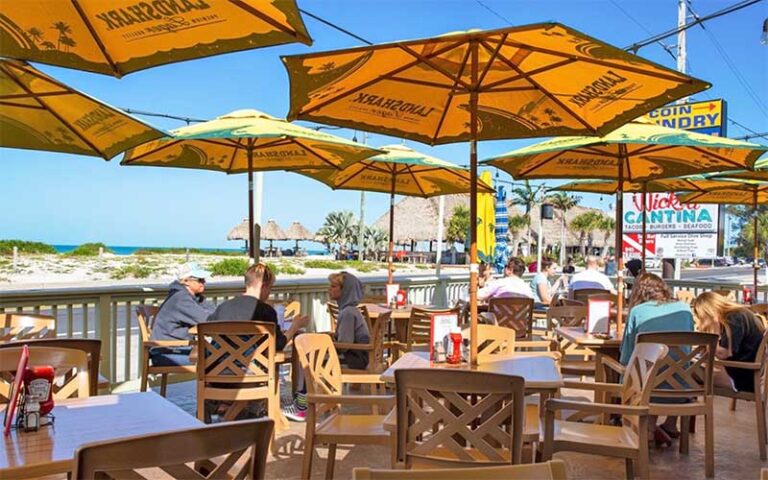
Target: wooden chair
686,374
375,346
569,302
576,359
91,346
377,299
630,440
26,326
583,294
325,422
145,317
729,294
236,363
493,340
686,296
551,470
71,367
455,418
333,314
513,312
169,454
760,396
419,328
760,309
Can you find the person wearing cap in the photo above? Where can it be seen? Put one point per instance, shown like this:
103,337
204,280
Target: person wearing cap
184,307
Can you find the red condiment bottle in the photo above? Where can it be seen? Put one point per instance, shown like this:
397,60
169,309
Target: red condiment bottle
455,356
35,379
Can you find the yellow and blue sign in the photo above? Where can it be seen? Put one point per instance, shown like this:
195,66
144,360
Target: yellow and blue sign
700,117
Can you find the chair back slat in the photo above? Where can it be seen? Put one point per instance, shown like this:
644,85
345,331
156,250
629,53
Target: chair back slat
333,314
515,313
227,450
493,340
685,296
239,352
378,333
566,316
551,470
26,326
458,418
145,318
320,363
583,294
686,371
638,382
70,366
420,325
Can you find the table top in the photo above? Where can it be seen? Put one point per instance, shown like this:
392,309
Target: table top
580,337
79,421
539,372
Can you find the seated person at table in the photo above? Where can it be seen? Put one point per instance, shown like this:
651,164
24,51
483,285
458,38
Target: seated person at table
591,278
653,308
512,285
351,327
740,335
252,305
184,307
569,268
541,287
485,274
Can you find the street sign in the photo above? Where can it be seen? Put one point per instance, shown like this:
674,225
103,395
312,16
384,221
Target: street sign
633,245
701,117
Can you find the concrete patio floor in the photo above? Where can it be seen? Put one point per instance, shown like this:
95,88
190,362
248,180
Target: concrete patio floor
736,454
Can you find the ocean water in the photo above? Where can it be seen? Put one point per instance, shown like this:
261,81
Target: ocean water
129,250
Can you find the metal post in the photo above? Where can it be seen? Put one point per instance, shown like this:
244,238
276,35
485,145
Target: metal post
539,241
681,53
391,266
755,262
440,217
473,267
645,194
251,243
361,233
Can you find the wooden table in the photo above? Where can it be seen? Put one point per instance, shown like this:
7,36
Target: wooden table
51,449
601,347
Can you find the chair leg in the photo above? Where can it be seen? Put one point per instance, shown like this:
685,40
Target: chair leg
163,384
761,427
733,404
643,455
309,444
144,373
684,434
331,461
629,468
709,445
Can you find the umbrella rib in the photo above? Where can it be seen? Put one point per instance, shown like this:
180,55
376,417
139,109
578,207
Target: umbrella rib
18,105
506,89
271,21
491,59
158,149
372,81
416,181
26,95
719,157
363,165
450,96
112,65
237,147
535,71
419,82
548,94
428,61
226,143
313,152
540,164
59,117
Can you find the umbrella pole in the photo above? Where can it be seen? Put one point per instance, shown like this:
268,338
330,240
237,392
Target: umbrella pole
645,193
755,264
252,244
391,267
620,241
473,267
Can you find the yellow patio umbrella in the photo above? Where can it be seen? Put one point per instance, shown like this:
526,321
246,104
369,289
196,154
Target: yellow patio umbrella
634,152
486,221
520,82
38,112
399,170
118,37
743,192
248,141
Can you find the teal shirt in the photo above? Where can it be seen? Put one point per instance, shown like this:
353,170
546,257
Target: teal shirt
654,317
537,279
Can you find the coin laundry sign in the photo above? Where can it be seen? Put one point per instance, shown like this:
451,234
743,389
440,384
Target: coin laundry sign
700,117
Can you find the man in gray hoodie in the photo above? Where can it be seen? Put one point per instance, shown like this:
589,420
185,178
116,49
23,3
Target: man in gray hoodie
184,307
351,327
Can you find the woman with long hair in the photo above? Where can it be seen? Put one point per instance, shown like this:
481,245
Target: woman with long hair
653,308
740,335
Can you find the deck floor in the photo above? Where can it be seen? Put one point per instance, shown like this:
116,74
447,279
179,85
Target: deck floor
736,454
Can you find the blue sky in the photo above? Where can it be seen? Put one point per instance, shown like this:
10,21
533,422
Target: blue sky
63,199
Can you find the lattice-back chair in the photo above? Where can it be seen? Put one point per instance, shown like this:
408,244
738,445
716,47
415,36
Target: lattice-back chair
462,307
729,294
551,470
236,353
759,369
576,359
630,439
377,330
181,454
333,313
569,302
513,312
419,328
71,370
145,318
454,418
760,309
685,374
325,421
583,294
26,326
686,296
493,340
91,346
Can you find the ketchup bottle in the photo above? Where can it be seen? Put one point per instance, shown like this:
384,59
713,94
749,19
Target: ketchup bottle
455,356
38,382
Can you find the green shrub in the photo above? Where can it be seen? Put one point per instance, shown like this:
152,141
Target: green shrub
363,267
6,247
89,250
182,251
133,271
229,267
289,269
328,264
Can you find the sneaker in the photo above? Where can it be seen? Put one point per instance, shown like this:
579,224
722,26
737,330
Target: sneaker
293,412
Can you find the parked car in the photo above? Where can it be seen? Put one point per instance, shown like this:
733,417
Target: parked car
652,263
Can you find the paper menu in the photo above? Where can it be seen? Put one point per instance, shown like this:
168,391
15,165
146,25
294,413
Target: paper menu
440,334
598,316
281,320
391,292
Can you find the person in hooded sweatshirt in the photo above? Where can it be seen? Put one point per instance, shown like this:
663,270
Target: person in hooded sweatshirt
184,307
351,327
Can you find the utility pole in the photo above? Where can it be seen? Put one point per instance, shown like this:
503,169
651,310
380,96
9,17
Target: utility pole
361,231
681,17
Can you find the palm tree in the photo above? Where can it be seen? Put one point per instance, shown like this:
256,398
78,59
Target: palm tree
458,225
35,34
68,42
563,202
585,224
339,228
526,196
516,224
63,30
606,225
375,241
48,45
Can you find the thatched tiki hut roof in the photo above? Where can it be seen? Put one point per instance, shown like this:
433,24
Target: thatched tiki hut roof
270,231
416,218
297,231
551,228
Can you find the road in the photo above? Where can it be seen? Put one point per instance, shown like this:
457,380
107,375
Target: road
741,273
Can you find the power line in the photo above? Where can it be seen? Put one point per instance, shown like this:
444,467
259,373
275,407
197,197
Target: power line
334,26
667,48
188,120
493,11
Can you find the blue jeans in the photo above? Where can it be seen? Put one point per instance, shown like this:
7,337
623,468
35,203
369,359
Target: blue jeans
170,356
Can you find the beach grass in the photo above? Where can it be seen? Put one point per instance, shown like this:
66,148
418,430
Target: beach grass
6,247
89,250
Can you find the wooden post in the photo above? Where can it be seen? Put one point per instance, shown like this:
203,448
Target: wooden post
619,241
755,263
390,266
251,244
473,267
645,193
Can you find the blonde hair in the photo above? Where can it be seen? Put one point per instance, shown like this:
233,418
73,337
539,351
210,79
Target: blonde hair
259,272
710,310
337,278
